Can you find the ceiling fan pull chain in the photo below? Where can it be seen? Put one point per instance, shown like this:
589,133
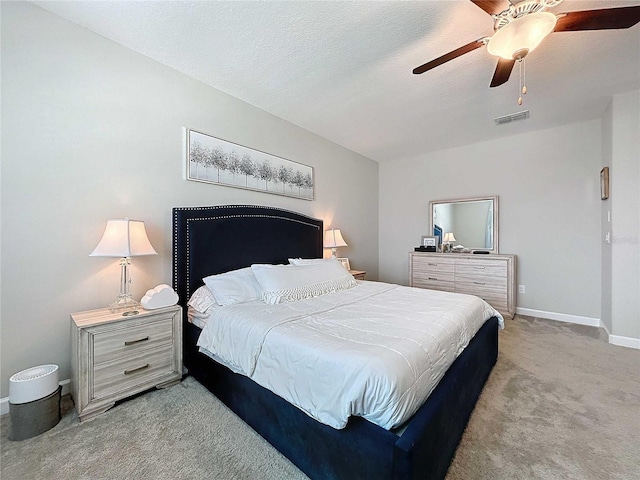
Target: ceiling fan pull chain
520,97
523,80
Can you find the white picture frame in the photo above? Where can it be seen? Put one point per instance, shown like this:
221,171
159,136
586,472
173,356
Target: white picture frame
345,263
429,241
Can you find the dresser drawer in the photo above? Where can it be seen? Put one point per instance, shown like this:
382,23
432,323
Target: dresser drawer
479,267
434,273
496,296
433,283
126,340
472,281
112,378
431,264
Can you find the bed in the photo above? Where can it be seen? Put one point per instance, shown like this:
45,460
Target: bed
213,240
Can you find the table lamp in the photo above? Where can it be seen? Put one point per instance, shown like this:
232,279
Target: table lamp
448,238
333,239
124,238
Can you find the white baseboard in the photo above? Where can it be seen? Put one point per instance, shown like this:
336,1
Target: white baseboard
629,342
625,341
561,317
4,402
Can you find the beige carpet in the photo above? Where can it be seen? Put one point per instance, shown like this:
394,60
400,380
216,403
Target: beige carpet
560,404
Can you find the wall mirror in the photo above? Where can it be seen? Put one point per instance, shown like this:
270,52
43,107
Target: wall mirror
473,221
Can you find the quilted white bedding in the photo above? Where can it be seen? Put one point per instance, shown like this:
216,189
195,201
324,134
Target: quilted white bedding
376,350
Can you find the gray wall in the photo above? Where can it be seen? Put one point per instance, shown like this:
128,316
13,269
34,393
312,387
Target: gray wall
605,224
92,131
548,186
621,257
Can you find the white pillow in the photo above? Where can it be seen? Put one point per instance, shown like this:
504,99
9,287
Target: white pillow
310,261
288,283
236,286
202,300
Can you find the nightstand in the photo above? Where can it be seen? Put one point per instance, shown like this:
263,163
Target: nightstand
358,274
114,357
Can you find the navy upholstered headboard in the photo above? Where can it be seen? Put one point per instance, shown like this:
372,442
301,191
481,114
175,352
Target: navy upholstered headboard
211,240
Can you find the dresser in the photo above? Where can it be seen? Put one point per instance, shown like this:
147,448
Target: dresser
116,356
490,277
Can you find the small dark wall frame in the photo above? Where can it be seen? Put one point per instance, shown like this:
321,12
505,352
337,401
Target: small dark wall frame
604,183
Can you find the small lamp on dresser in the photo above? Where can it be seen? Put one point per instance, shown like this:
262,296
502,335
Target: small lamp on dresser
446,241
124,238
333,239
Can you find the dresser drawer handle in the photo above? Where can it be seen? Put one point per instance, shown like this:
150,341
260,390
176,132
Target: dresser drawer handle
432,278
479,283
134,370
482,268
132,342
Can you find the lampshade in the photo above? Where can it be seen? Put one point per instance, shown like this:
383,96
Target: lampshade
448,237
522,34
124,238
333,238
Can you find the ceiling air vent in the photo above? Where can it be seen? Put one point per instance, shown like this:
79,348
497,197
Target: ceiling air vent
512,118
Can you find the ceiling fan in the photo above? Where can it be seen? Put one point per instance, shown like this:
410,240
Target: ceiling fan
520,26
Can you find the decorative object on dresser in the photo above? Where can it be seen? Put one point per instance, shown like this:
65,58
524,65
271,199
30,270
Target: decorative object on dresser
428,244
448,239
124,238
474,220
333,239
358,274
490,277
114,357
217,161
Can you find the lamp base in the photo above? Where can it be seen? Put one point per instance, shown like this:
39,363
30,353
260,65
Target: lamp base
125,304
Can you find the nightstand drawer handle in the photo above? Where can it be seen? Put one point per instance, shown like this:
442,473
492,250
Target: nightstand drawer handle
482,268
134,370
479,283
432,278
132,342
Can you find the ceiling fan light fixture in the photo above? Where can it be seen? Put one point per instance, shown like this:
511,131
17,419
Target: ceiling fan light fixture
525,32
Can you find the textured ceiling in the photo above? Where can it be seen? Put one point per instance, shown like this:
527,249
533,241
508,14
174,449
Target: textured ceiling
343,70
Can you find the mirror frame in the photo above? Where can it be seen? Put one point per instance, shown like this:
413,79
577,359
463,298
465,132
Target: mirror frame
496,214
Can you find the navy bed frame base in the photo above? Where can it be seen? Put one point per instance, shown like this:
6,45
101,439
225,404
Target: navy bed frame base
361,450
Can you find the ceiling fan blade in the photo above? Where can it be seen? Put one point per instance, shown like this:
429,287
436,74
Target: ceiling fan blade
492,6
503,72
604,19
449,56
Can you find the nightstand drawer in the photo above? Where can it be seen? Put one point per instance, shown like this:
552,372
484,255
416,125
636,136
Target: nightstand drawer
125,340
114,377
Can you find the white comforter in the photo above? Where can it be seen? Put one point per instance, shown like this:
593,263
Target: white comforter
376,350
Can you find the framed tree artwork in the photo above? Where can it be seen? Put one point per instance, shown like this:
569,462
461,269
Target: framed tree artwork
220,162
